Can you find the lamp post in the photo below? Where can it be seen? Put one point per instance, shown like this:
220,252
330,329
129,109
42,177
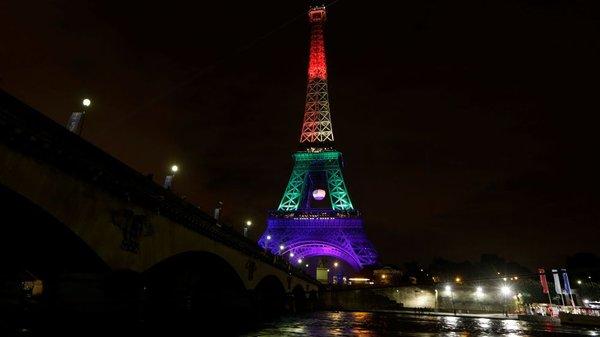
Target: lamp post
505,290
170,177
449,291
479,295
246,227
86,104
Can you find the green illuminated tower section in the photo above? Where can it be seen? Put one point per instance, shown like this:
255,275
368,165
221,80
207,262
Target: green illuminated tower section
328,162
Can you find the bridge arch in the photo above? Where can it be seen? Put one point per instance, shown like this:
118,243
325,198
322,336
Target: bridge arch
271,296
300,298
193,287
34,242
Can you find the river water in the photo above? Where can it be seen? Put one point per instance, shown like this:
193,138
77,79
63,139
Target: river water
363,324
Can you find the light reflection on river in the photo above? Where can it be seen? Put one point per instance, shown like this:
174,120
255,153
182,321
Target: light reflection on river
363,324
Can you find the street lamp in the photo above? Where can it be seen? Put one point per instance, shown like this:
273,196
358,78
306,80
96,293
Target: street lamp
448,290
479,292
170,177
479,296
505,290
246,227
86,104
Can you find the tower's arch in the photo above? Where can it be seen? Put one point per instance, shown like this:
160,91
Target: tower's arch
309,249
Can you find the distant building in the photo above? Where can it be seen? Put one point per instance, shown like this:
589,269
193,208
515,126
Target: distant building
322,273
387,276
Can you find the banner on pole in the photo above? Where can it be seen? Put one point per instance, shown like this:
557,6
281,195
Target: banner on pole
543,280
556,281
74,121
566,282
168,182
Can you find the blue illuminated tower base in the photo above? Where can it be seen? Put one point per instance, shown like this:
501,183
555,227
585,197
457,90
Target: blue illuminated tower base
306,234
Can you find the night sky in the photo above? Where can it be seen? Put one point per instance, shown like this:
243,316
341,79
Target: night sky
467,127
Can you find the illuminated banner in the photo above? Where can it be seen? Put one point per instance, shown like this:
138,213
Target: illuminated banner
74,120
556,281
566,282
168,182
543,281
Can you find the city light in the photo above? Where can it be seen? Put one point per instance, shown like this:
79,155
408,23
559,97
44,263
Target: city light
247,227
306,265
86,102
383,276
579,282
448,290
335,264
505,290
268,237
358,279
281,247
479,292
457,279
174,168
299,260
291,254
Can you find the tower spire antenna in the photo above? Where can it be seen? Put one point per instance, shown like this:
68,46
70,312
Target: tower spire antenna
316,125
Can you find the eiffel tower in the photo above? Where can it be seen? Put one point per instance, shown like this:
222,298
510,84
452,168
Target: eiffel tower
316,217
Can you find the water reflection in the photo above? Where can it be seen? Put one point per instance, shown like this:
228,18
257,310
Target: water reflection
363,324
451,321
484,323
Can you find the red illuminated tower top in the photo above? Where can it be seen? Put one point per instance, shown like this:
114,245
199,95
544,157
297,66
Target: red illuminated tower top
317,67
316,126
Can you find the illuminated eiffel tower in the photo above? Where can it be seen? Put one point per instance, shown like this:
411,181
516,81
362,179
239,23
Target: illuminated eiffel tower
316,217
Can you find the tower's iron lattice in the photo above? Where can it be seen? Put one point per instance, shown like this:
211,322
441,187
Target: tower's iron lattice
306,223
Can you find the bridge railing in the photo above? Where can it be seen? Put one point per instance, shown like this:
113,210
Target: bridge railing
30,132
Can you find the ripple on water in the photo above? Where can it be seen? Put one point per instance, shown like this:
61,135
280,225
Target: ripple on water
365,324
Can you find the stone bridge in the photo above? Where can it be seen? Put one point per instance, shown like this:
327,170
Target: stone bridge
91,227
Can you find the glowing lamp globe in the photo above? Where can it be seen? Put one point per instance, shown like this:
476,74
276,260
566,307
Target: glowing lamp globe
319,194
